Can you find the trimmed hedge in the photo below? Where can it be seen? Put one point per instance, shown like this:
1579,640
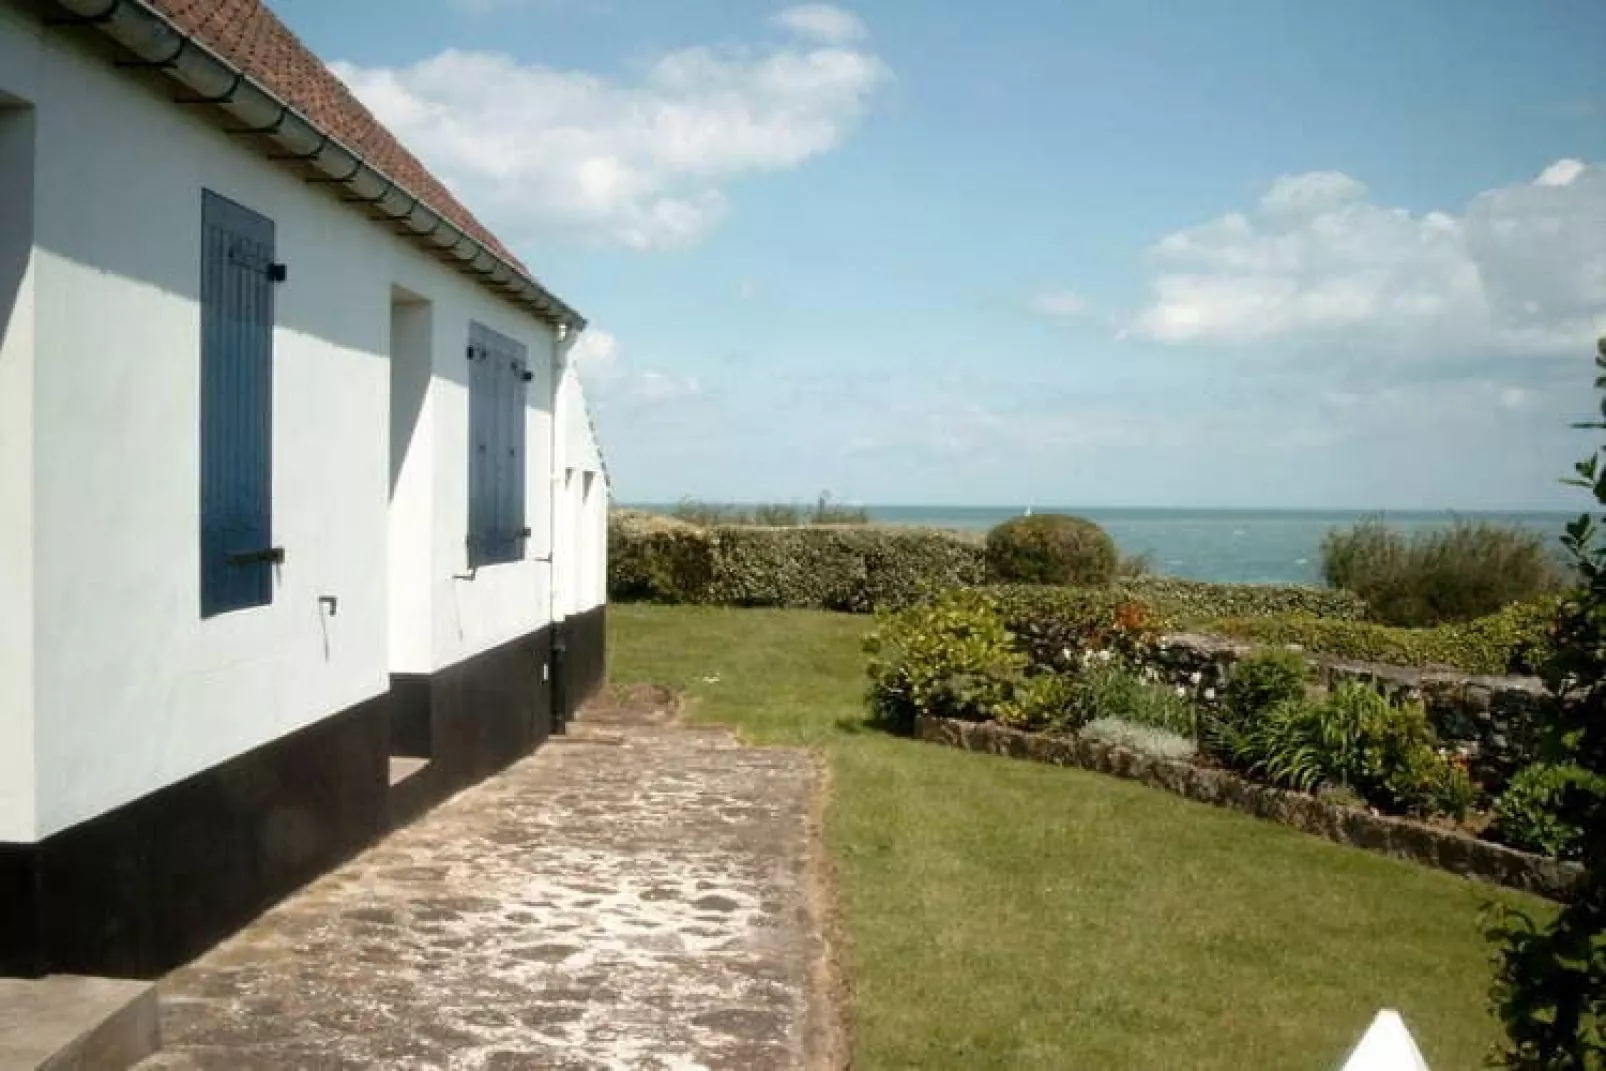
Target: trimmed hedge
1197,600
1514,640
652,558
852,568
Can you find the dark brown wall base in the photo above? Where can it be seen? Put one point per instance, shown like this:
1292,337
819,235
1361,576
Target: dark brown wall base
142,889
1398,837
582,665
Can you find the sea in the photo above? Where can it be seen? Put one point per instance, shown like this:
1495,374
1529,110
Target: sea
1222,545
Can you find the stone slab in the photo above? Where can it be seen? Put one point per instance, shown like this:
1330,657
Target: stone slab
70,1023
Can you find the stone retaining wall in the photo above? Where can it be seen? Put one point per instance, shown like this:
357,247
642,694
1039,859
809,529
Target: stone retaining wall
1493,719
1397,837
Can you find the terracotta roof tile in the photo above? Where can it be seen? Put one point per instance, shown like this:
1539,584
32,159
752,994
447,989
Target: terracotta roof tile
249,35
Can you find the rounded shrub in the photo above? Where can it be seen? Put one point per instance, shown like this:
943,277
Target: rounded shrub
1051,548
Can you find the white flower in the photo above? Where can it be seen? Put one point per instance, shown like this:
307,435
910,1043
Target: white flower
1209,693
1065,653
1181,691
1105,656
1195,677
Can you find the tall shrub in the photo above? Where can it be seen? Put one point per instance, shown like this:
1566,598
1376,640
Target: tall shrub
1468,570
1551,987
1051,548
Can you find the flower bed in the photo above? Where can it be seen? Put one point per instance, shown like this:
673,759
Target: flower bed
1417,842
1094,668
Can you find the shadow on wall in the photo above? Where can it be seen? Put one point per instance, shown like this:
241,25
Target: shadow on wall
16,194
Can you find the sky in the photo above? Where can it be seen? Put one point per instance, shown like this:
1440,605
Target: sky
1264,253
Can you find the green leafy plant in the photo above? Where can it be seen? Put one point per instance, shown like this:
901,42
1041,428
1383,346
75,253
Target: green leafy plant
1535,811
947,657
1051,548
1041,701
1263,680
1550,990
1106,687
1467,570
1356,739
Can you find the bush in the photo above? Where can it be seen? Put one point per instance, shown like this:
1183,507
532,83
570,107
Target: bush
948,657
1517,639
1468,570
1264,680
1146,739
657,559
852,569
1537,810
1051,549
1352,739
1190,601
1043,701
1053,626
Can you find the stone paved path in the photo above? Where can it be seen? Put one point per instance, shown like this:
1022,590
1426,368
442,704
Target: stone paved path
641,900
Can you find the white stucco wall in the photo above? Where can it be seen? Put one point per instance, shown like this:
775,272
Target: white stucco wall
132,689
16,468
581,519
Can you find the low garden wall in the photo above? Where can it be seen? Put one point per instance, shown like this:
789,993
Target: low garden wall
1492,720
1397,837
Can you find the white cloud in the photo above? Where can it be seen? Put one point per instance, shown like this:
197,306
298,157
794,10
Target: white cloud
596,355
822,22
537,151
1061,304
610,381
1521,270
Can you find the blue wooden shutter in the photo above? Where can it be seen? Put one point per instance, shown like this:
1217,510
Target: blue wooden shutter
496,447
237,268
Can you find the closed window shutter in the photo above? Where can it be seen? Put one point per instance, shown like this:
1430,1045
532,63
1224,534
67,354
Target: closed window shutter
496,438
237,257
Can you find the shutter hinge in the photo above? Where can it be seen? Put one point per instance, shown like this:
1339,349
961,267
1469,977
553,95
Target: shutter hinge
526,376
278,273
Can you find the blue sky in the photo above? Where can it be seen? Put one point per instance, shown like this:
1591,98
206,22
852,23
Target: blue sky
1093,253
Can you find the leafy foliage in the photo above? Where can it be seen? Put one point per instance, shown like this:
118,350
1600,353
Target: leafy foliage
1053,626
1263,680
1197,600
1468,570
1109,688
657,559
1551,987
1535,812
1145,738
949,657
853,569
1051,548
1516,639
1354,738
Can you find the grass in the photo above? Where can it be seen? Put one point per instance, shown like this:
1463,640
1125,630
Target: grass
1001,914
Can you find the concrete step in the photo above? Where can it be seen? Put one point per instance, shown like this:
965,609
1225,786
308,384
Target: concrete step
64,1022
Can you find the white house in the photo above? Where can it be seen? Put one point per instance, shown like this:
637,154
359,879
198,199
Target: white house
297,488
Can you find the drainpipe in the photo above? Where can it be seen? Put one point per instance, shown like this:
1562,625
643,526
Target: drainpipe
258,112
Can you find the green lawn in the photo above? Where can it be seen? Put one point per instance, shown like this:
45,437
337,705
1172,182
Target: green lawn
1001,914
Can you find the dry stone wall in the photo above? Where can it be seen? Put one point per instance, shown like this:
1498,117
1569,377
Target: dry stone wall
1493,720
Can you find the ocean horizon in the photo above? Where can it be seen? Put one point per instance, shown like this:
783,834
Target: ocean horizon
1252,546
